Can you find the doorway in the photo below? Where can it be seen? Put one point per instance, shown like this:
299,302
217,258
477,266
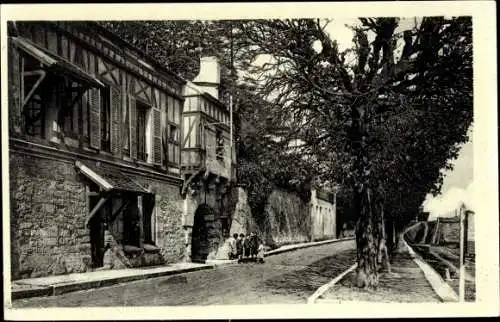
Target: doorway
97,226
200,244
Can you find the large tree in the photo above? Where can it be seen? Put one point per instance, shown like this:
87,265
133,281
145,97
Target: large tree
388,114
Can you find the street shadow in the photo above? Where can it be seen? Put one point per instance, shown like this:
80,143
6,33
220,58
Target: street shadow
305,281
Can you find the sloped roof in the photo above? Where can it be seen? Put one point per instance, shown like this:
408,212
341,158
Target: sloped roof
109,178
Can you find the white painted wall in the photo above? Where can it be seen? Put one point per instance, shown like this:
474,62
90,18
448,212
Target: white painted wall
323,218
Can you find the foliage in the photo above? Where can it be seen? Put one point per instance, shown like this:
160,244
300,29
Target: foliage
383,117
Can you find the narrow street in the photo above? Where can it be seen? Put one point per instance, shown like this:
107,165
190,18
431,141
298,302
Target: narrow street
290,277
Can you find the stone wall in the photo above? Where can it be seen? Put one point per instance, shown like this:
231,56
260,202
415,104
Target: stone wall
215,204
288,219
48,211
168,219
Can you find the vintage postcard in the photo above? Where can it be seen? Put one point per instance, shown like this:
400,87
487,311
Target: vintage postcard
253,160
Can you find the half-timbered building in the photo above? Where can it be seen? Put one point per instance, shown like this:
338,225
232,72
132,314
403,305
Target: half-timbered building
207,163
108,146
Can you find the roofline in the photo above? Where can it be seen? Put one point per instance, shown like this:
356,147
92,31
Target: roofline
115,38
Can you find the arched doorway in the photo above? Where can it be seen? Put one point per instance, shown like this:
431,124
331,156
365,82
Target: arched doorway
200,243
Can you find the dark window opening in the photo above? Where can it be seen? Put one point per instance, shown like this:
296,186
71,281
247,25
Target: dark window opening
71,102
126,131
34,117
173,133
142,111
105,119
132,222
148,203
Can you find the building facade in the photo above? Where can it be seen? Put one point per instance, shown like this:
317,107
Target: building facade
323,212
207,165
107,144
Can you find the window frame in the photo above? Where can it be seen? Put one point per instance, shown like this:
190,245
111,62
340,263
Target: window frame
145,108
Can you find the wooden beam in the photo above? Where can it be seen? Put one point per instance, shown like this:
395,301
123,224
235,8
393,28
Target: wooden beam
101,202
42,74
93,176
119,210
188,181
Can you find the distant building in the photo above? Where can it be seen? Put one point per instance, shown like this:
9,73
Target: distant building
323,214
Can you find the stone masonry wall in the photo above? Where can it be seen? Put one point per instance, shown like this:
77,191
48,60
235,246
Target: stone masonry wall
169,228
48,210
288,218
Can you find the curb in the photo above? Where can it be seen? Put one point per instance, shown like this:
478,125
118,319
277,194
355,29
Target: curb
440,287
320,291
79,286
52,290
305,245
33,292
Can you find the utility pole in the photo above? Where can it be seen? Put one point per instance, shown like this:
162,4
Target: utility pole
231,58
231,94
462,216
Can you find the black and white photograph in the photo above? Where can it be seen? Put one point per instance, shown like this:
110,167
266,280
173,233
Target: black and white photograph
252,157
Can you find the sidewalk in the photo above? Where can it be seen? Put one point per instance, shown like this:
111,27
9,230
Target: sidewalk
59,284
408,282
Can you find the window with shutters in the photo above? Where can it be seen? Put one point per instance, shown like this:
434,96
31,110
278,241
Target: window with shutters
105,119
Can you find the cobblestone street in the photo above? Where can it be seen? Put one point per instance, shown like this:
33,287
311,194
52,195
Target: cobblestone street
289,277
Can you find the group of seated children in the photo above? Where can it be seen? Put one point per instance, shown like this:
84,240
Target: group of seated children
246,248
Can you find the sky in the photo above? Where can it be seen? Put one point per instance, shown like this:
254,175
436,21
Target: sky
457,186
458,183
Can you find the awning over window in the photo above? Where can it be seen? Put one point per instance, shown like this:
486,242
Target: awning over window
56,63
110,179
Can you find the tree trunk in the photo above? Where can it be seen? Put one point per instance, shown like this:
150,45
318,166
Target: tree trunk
399,246
366,243
389,230
366,239
382,256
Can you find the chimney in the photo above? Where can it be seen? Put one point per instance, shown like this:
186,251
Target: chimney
209,76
